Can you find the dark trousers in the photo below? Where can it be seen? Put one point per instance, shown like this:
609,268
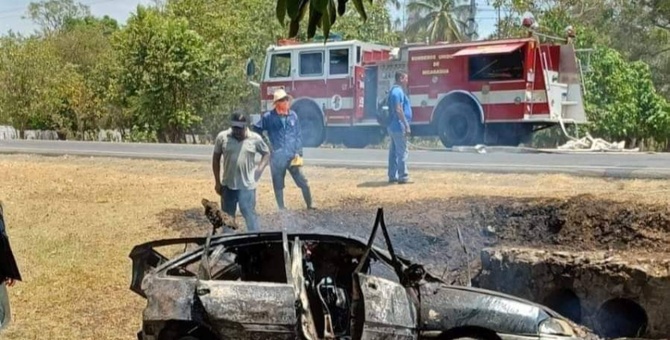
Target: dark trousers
247,201
279,167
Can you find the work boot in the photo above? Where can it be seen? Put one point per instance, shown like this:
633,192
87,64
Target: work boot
279,197
307,195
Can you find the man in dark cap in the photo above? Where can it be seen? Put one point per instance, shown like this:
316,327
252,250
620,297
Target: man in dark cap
238,147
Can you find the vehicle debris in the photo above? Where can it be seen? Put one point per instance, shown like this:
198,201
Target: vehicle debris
319,285
218,218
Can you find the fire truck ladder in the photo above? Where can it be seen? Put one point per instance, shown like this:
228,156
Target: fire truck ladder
551,87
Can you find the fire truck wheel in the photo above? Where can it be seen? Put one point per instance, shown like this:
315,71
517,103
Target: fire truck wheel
311,125
459,125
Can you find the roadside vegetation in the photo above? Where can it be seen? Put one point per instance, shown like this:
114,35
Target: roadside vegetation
177,68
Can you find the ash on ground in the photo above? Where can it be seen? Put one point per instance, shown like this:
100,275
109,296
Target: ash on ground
426,231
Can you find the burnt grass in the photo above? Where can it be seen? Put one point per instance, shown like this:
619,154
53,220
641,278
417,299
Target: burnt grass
427,231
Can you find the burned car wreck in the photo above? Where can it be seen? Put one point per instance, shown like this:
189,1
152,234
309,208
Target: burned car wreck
282,285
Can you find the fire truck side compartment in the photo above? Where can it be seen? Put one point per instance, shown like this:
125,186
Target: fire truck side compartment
370,102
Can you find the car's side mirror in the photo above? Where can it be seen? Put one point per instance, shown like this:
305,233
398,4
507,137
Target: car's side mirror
251,71
251,68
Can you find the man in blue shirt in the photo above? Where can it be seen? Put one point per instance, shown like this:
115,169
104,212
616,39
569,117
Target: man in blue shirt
400,115
283,128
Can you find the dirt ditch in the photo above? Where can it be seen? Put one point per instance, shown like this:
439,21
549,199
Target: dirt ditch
426,231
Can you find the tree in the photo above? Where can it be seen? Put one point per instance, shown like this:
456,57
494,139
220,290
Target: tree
167,72
52,15
622,103
322,14
439,19
378,27
29,74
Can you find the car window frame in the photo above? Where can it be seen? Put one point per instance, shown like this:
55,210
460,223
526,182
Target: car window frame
226,242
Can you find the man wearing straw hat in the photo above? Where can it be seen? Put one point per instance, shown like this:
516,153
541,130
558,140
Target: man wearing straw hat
283,128
238,146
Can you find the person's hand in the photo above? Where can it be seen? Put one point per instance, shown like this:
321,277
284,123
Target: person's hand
10,282
217,188
408,131
257,174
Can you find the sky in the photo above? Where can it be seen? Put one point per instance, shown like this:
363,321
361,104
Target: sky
12,11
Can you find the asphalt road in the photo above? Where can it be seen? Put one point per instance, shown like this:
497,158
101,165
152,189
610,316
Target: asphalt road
623,165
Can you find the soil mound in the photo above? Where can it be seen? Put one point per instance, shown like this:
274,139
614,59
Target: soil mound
579,223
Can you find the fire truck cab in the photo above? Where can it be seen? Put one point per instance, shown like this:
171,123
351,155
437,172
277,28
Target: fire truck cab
328,85
496,92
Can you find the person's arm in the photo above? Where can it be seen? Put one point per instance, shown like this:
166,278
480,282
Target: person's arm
396,101
259,126
298,136
264,150
216,163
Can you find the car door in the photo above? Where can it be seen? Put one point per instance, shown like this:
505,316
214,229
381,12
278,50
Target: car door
250,309
382,308
306,321
145,258
388,312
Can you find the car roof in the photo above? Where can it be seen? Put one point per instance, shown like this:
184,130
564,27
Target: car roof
265,236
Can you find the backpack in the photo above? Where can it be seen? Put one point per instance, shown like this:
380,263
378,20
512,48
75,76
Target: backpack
384,116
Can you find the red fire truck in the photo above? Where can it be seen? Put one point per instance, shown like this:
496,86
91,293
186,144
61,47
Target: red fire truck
496,92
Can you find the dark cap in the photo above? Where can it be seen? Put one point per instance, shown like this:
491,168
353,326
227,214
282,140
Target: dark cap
238,119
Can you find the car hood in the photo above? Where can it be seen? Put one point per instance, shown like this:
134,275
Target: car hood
446,306
503,296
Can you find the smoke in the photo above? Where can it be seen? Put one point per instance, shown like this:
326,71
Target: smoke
432,242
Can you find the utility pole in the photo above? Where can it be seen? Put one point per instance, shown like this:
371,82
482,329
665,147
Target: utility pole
499,25
472,24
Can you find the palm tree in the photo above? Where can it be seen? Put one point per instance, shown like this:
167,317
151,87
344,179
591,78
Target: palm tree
440,20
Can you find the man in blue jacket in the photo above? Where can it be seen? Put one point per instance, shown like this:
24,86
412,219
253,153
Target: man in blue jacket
283,128
400,115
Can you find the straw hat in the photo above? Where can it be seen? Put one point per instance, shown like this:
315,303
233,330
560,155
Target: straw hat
279,95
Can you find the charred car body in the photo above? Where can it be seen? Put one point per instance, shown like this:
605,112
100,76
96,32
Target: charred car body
279,285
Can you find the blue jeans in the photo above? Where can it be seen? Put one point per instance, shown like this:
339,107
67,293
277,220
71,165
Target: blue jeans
247,201
398,153
279,165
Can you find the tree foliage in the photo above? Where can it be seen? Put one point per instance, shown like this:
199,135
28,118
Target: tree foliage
168,72
439,21
171,70
52,15
178,67
29,82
